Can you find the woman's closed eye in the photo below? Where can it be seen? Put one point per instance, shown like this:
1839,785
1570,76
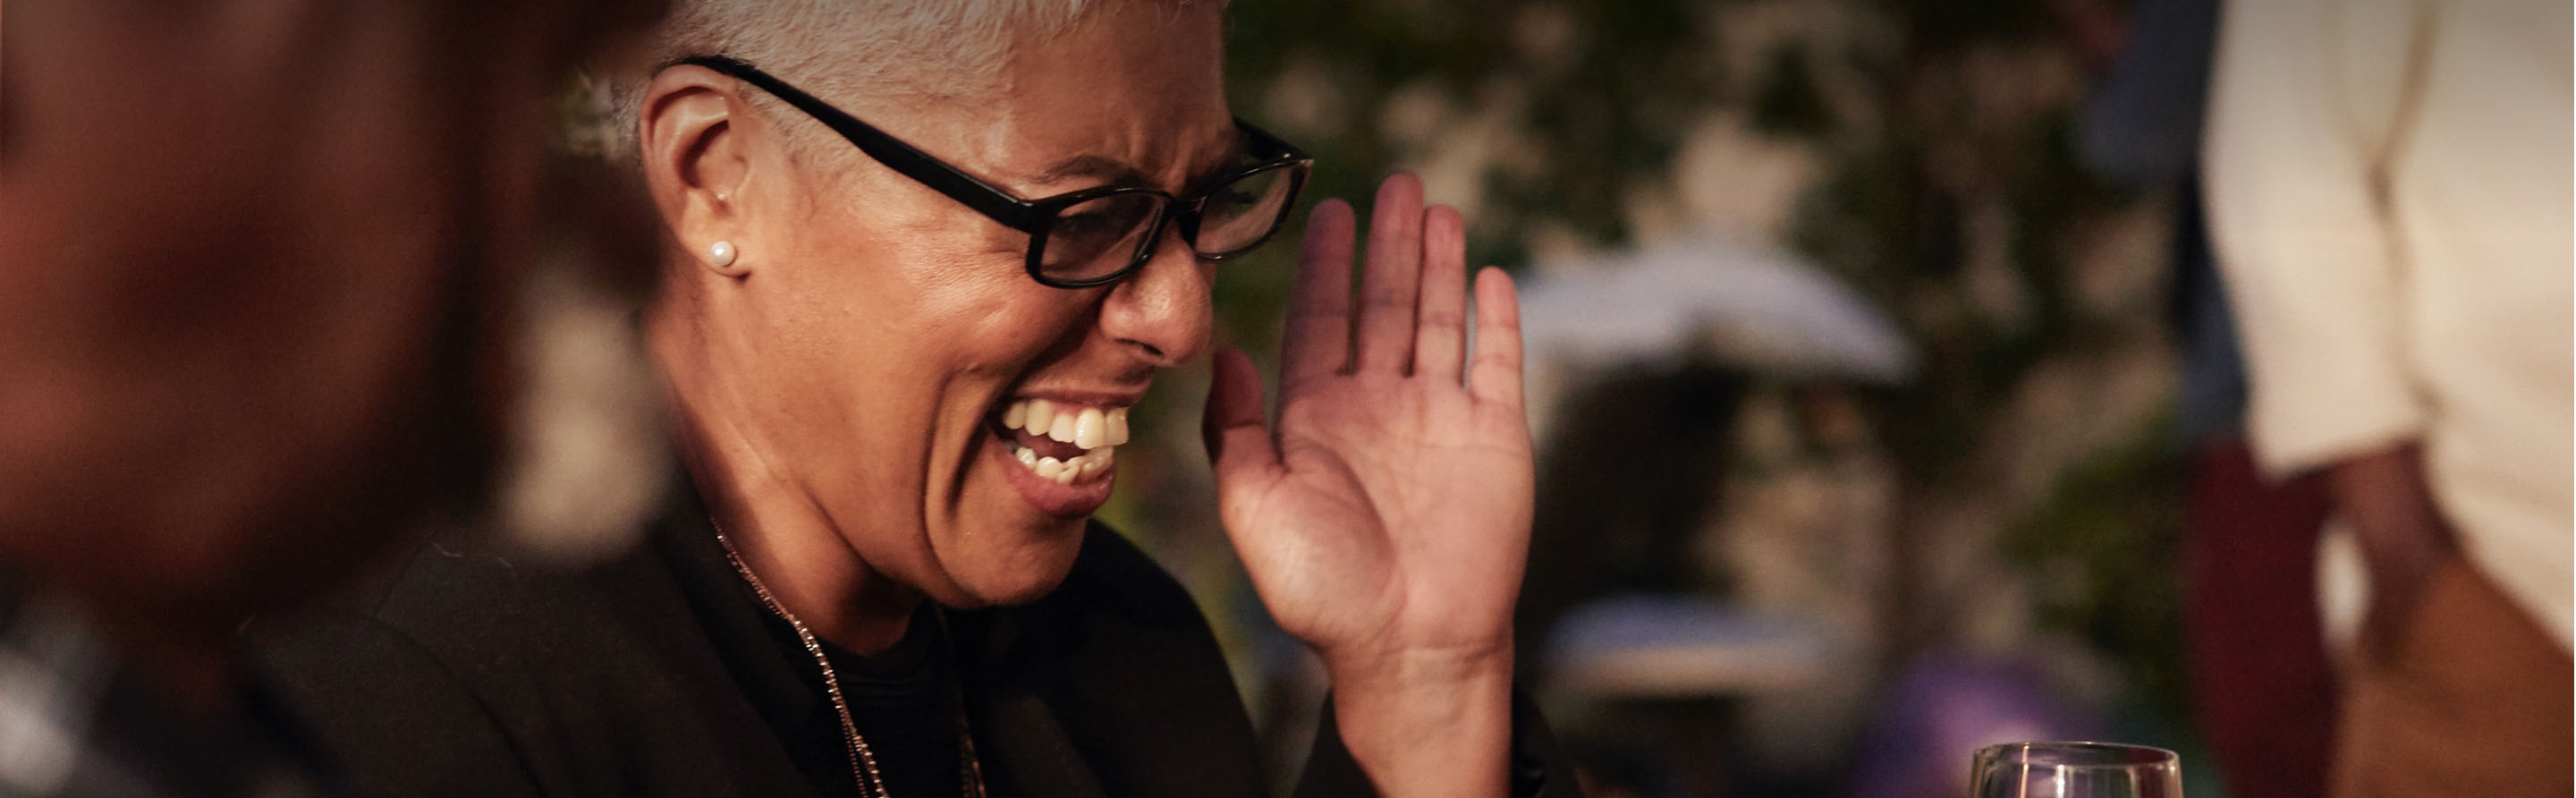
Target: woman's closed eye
1094,224
1234,195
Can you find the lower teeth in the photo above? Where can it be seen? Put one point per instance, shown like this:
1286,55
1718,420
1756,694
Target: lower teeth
1064,472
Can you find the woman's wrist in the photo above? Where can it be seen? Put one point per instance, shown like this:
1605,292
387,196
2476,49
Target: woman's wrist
1424,723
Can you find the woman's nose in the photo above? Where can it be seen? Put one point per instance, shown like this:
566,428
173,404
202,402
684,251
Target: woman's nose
1164,311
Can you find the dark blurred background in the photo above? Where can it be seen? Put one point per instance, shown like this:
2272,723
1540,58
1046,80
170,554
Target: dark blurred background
1857,387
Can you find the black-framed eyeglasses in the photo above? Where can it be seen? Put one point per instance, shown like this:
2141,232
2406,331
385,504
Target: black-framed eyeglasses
1094,236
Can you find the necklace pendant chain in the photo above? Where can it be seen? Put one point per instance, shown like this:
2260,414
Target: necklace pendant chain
863,762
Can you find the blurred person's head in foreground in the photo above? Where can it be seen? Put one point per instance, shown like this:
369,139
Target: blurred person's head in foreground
258,263
920,260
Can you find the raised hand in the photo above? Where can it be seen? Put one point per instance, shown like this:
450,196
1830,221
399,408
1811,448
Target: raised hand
1385,520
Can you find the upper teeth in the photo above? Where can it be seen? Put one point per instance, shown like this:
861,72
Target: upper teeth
1098,432
1086,427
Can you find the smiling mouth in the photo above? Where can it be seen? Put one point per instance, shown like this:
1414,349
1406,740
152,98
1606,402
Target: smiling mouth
1063,443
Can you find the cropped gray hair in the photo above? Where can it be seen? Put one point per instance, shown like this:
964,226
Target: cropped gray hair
929,47
909,48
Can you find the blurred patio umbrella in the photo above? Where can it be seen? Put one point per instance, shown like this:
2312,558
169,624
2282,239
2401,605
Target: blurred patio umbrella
1759,311
1642,357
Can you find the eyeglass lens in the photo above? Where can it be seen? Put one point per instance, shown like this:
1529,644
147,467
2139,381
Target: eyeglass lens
1240,213
1102,236
1098,237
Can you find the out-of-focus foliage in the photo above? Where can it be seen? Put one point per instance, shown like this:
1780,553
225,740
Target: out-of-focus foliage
1599,94
2102,568
1947,191
1918,150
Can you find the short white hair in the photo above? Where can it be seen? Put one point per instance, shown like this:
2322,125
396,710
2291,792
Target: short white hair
835,48
932,47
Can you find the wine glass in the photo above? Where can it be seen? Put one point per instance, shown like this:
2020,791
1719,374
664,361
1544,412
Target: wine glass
2075,770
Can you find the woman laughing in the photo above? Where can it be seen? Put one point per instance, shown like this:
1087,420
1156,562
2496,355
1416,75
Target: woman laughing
920,259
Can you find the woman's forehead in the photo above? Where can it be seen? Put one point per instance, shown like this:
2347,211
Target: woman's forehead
1084,109
1133,94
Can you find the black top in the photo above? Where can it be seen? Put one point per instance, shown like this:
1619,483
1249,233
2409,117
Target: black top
904,701
657,673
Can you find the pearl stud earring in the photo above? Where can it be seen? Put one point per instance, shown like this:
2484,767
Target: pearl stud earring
721,253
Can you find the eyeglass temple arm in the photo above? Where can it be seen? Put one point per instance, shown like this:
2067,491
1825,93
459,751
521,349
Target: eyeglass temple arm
887,149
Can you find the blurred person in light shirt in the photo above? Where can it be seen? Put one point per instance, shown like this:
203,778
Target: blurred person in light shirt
2388,184
257,259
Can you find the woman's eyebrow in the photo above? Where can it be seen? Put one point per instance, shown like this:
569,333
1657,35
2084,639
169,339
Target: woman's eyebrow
1117,172
1097,167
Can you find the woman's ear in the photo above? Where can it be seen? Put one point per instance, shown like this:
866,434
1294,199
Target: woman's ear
693,133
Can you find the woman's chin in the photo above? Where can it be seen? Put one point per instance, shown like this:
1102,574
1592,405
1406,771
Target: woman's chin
1016,535
1016,571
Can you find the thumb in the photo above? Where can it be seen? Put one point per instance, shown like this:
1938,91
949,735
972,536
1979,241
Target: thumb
1238,442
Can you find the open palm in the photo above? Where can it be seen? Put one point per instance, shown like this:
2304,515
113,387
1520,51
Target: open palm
1387,515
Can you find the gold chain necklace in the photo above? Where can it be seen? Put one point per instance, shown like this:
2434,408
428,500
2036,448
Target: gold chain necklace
863,762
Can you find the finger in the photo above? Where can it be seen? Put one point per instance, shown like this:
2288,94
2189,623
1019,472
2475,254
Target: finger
1440,332
1318,339
1394,272
1495,376
1238,443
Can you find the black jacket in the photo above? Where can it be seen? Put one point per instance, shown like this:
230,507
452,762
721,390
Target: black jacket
465,674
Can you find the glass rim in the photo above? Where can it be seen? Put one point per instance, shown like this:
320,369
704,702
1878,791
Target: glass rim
2138,755
1034,216
1184,210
